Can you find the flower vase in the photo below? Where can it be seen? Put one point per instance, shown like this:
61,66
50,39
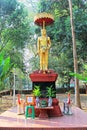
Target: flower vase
50,102
37,101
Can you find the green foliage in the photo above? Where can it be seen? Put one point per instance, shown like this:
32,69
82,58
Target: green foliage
82,76
4,69
37,91
15,31
7,9
45,6
2,85
50,91
4,65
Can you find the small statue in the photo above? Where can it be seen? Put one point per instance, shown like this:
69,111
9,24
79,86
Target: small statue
20,105
43,46
67,106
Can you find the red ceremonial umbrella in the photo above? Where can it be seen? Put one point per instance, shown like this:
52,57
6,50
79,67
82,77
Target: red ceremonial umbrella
43,19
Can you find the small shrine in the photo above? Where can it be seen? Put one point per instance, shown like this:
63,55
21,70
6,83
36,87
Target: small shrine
45,77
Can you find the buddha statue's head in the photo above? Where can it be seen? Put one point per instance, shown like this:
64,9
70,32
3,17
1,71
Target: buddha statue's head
43,31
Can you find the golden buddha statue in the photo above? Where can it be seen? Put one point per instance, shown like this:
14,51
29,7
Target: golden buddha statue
43,46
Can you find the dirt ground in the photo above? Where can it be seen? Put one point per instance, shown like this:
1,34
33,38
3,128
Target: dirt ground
6,101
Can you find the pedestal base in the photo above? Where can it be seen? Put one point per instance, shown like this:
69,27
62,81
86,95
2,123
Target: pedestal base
43,111
44,79
53,112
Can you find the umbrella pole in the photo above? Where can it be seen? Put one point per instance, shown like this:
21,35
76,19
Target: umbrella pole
43,24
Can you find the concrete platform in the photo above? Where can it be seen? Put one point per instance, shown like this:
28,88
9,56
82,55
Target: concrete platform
9,120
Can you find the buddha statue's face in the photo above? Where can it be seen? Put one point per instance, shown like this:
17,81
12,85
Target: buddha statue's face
43,31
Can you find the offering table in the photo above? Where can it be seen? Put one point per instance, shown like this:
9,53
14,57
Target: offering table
43,111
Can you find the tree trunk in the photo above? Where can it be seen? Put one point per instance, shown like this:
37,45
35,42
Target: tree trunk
10,92
85,88
77,94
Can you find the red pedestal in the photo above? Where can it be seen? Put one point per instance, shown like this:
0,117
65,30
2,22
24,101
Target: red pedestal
44,79
40,76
